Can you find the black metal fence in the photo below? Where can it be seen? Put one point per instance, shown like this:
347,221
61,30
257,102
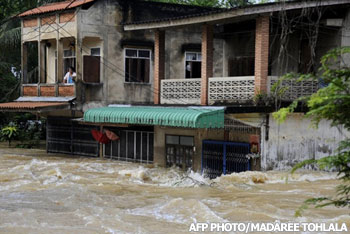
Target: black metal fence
68,137
220,157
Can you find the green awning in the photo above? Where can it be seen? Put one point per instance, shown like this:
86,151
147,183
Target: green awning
188,117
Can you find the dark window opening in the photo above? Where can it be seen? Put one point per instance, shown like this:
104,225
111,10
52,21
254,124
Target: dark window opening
69,60
305,60
137,65
241,66
193,64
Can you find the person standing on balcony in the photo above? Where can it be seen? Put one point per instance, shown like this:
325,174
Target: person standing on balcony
70,76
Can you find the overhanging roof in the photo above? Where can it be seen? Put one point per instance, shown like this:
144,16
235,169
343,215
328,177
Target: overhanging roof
189,117
55,7
220,15
32,106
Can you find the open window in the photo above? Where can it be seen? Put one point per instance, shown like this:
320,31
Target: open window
193,64
69,60
137,65
92,66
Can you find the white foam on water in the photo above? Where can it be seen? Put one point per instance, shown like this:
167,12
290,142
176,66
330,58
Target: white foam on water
179,210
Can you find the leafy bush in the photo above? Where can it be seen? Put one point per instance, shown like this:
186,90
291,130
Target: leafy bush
330,103
9,133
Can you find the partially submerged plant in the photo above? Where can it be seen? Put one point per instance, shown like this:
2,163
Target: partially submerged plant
9,133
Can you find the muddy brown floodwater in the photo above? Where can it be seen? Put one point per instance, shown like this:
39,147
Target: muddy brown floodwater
42,193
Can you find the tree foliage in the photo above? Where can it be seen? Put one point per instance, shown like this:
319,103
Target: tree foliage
216,3
330,103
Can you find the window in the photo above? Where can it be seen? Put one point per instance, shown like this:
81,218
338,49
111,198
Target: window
95,51
179,151
193,64
69,60
137,65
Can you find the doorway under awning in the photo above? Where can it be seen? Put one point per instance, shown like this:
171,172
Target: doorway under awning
186,117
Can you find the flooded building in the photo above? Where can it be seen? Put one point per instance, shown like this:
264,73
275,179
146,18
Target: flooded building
180,85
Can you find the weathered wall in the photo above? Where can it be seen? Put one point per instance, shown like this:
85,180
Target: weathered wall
198,134
295,140
175,56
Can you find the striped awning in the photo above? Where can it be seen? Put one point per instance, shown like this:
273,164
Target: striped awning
187,117
32,106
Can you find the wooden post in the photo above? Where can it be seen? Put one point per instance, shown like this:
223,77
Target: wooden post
101,145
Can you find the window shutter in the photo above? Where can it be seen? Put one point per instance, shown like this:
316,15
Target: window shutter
92,69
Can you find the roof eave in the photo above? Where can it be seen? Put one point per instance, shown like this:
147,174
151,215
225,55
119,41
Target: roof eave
239,12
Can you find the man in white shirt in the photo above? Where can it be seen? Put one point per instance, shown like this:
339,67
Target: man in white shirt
70,76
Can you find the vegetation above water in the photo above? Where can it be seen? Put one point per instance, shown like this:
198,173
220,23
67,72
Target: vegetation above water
331,103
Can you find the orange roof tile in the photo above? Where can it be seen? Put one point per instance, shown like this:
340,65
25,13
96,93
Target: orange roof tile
30,105
55,7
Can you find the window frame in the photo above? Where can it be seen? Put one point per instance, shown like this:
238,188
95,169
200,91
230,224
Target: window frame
185,61
73,56
92,48
137,57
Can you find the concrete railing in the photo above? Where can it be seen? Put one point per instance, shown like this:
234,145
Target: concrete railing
181,91
231,89
294,89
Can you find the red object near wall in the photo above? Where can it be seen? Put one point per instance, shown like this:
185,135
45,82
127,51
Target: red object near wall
111,135
100,136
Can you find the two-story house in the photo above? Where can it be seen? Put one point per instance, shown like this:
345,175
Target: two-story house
180,85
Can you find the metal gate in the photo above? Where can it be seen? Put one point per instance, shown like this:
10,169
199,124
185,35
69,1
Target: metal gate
219,157
132,146
68,137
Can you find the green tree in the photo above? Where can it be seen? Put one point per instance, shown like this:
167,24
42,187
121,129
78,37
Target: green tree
330,103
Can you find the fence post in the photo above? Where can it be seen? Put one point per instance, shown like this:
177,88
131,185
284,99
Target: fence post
224,159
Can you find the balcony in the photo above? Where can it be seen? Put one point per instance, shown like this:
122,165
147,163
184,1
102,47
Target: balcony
48,90
223,90
181,91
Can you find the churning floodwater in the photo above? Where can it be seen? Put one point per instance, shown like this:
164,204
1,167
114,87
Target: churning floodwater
41,193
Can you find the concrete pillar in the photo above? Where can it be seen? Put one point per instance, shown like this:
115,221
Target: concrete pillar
207,61
159,63
79,59
42,62
24,63
262,33
59,61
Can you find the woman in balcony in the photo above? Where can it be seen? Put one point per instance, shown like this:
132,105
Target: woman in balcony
70,76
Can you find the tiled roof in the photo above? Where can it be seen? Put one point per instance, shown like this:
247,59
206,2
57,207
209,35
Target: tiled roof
55,7
30,105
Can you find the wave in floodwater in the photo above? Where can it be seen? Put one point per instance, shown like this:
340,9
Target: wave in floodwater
47,194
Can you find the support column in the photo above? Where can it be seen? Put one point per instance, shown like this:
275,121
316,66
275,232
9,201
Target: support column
24,63
159,63
262,34
59,61
207,61
42,61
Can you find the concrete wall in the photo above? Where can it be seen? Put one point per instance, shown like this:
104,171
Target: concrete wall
198,134
296,140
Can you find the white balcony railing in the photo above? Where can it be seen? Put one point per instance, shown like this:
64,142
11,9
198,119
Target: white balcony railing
181,91
231,89
223,90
